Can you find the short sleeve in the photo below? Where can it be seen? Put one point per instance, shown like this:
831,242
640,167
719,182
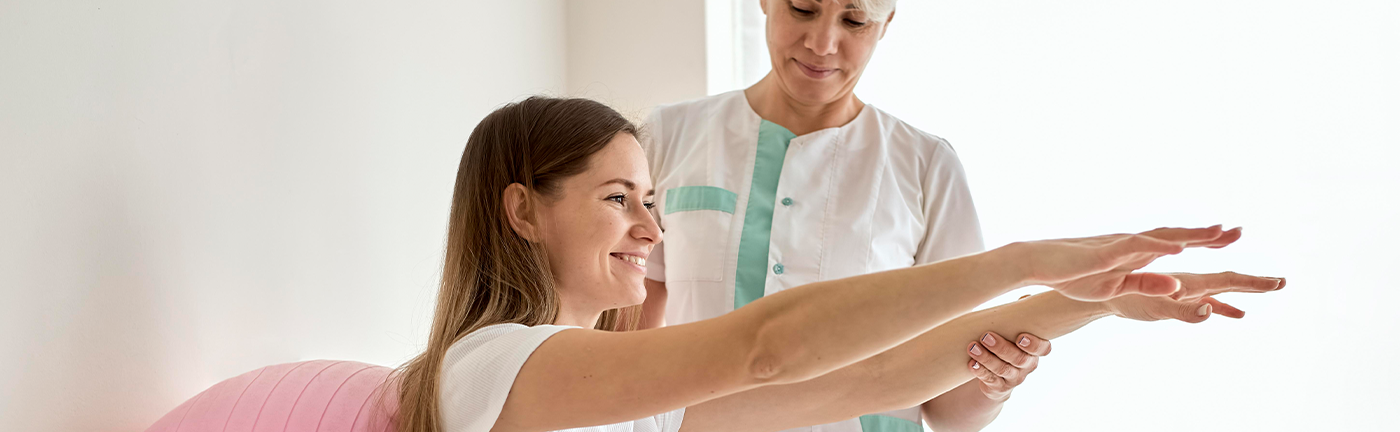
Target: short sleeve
951,226
671,421
479,370
650,139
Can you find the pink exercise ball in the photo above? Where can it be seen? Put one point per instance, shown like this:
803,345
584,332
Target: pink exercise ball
309,396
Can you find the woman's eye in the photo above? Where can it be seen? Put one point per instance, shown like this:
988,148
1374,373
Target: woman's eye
854,23
801,11
648,205
620,199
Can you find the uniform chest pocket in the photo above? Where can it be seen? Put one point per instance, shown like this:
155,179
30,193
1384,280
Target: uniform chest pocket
698,221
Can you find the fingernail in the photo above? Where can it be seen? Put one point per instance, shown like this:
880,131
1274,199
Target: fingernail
987,339
1025,341
976,365
975,350
1203,310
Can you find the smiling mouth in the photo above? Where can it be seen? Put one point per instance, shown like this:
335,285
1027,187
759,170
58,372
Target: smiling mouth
639,261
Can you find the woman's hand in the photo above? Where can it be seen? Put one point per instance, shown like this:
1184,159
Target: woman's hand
1100,268
1194,303
1001,365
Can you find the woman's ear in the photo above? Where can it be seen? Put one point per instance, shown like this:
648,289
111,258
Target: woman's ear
520,212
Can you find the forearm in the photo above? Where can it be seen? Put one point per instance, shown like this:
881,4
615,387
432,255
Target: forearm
966,408
810,330
936,362
905,376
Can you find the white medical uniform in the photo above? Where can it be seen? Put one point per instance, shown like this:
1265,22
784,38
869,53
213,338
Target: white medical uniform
749,209
479,370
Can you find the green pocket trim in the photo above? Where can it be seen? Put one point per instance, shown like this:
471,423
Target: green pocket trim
884,423
691,198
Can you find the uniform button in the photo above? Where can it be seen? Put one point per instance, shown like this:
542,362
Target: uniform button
787,201
777,269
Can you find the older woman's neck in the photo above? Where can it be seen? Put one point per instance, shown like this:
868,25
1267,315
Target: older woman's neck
799,117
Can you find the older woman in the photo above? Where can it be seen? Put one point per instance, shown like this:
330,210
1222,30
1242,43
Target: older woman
795,180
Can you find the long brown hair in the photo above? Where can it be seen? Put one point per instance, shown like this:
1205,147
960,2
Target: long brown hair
490,274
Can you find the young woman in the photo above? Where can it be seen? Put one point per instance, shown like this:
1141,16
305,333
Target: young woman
547,242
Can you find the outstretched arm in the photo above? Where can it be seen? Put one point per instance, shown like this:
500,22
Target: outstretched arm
937,362
583,377
902,377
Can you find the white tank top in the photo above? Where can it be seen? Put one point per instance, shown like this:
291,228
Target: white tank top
480,369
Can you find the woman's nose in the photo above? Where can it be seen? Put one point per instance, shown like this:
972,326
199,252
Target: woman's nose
822,41
646,228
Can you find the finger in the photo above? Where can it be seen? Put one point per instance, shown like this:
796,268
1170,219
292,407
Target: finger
1194,285
1008,352
1249,283
1223,309
1191,312
992,385
1132,248
981,373
1033,344
991,362
1148,284
1226,238
1186,235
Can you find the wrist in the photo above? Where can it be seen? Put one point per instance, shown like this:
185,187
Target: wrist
1081,311
1011,264
1096,310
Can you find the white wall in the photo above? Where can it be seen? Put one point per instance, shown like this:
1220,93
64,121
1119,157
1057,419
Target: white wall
635,54
1092,116
195,189
736,52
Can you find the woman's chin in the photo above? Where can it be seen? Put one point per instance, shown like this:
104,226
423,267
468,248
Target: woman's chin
638,294
631,293
813,94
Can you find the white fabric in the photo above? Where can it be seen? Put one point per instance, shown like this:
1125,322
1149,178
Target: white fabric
875,194
480,369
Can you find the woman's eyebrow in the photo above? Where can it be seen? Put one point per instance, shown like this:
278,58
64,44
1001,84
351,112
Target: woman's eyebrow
626,183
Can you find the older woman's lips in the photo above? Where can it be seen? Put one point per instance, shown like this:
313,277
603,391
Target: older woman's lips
814,72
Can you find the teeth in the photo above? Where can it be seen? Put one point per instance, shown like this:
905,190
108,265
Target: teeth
633,259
